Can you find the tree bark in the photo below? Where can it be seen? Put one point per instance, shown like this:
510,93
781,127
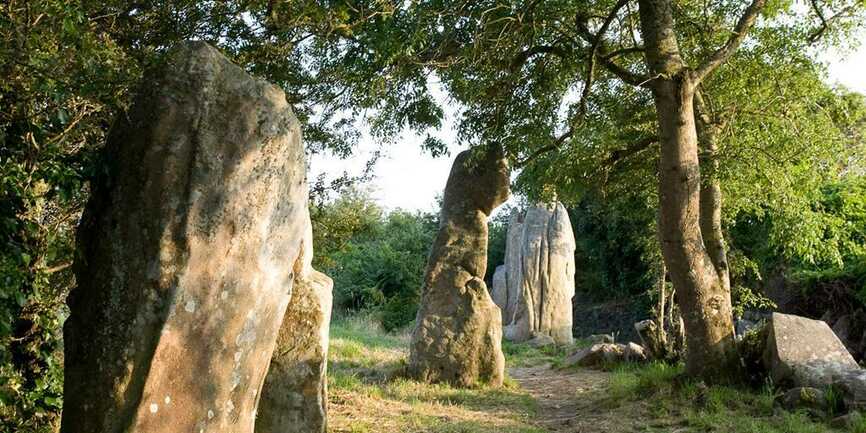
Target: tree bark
709,128
703,300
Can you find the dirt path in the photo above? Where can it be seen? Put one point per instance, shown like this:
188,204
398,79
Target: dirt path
571,400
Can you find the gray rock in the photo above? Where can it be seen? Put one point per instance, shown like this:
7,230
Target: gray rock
601,338
743,326
606,354
458,331
187,254
852,384
541,340
808,398
635,353
804,352
499,290
648,331
848,421
539,275
294,396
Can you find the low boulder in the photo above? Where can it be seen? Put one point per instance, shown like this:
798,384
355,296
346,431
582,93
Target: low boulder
812,400
605,354
648,331
601,338
802,352
541,340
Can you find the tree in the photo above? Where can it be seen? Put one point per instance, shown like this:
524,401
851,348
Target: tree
533,76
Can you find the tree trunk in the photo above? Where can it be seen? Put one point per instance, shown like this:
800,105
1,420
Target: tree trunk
708,129
703,300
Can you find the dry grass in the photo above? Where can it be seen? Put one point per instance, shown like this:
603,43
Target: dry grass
368,394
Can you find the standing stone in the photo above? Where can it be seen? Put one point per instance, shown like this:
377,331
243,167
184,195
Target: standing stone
499,290
187,253
513,266
294,396
458,332
539,267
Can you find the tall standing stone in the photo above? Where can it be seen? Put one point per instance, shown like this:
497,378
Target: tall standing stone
187,254
457,335
539,274
294,396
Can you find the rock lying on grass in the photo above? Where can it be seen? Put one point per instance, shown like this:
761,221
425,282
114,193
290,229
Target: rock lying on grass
805,352
810,399
605,354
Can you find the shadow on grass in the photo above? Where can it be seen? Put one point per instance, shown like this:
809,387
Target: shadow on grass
370,393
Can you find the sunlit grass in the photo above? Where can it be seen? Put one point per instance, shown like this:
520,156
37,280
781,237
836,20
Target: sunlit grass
369,393
706,408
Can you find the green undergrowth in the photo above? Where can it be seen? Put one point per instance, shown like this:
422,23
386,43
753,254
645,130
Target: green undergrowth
368,391
695,407
524,355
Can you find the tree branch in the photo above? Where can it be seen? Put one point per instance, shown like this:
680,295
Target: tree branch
826,22
747,20
634,148
622,52
598,50
521,59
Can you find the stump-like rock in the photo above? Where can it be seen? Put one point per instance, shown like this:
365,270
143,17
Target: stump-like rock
539,275
804,352
294,396
187,254
458,331
602,354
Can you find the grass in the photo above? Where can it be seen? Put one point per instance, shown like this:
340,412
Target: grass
367,392
523,355
693,407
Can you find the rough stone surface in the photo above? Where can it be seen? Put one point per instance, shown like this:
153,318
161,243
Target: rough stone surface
187,253
648,331
601,338
803,352
601,354
852,385
294,396
597,355
458,331
541,340
806,398
499,289
539,275
635,352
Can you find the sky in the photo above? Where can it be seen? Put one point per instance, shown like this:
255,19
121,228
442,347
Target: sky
408,178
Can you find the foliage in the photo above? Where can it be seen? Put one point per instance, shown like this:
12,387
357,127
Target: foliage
497,238
376,259
616,248
830,249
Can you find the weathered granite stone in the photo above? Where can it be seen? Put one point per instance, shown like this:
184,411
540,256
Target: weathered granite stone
804,352
602,354
597,355
635,352
294,395
541,340
499,289
539,275
187,254
806,398
458,331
